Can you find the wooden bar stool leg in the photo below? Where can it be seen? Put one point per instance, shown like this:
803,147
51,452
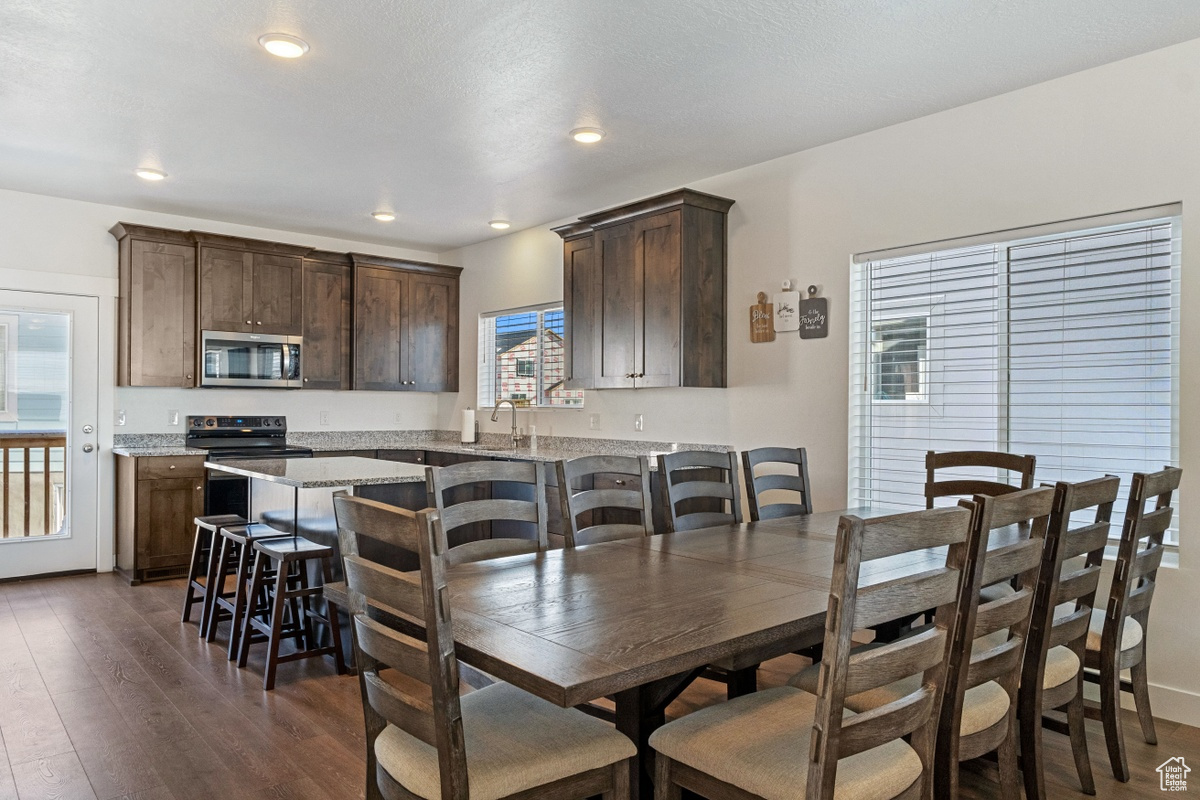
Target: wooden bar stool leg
243,601
333,620
256,586
213,612
305,610
189,598
281,597
214,581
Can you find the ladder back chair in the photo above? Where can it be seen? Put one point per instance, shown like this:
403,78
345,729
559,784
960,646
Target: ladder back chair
1052,676
799,493
630,493
442,481
1117,639
1023,466
423,740
690,491
754,746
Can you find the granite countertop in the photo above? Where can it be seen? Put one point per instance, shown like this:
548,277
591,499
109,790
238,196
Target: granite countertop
316,473
494,445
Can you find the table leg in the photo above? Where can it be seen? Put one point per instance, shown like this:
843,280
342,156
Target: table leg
640,711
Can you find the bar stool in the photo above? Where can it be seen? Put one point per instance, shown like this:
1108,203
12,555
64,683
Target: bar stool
288,558
235,559
203,566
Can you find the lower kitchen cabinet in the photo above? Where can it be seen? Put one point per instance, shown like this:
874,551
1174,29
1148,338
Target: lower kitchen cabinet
158,497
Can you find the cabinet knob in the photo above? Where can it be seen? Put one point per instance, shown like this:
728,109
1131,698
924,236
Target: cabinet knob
306,380
619,483
248,322
259,322
172,466
199,488
189,376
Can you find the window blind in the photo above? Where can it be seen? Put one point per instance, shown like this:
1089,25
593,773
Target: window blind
522,357
1061,346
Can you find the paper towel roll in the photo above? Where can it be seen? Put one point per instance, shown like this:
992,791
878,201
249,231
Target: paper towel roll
468,424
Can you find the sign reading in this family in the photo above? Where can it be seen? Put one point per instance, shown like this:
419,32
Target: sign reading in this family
814,316
762,328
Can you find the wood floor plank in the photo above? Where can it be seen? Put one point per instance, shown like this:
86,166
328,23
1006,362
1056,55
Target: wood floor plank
29,721
59,777
117,769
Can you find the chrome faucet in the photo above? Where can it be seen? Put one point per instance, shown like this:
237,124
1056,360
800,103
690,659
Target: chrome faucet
496,412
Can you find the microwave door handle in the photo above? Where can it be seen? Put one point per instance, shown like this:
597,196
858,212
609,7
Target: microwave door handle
287,362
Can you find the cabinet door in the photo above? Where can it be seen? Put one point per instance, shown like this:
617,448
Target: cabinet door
278,294
326,357
580,312
658,259
620,307
159,331
166,509
380,306
432,328
226,290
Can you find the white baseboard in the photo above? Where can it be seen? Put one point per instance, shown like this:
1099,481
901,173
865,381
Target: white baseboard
1168,703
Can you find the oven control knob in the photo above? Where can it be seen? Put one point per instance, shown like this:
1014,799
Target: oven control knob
210,423
279,422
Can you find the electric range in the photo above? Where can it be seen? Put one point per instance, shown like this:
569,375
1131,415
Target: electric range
227,438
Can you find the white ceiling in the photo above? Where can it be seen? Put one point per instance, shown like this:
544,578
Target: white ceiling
454,112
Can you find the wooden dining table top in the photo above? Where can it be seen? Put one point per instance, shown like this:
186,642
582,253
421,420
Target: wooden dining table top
578,624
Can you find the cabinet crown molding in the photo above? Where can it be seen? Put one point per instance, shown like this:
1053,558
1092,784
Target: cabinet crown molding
366,260
651,205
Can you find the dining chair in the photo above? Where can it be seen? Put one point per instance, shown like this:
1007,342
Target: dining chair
978,715
443,483
423,739
1117,637
691,491
1023,466
625,490
788,743
798,497
1052,675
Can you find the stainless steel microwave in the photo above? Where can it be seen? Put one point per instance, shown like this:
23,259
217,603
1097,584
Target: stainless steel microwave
251,360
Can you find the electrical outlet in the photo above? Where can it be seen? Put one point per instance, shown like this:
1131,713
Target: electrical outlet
120,416
173,416
594,422
398,418
324,417
638,422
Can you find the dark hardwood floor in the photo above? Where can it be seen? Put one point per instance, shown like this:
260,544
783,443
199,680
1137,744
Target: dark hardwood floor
105,694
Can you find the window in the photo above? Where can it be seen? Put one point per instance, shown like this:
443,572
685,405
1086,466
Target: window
1063,346
8,367
522,358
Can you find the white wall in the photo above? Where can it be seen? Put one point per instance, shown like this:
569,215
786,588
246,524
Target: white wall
1109,139
55,245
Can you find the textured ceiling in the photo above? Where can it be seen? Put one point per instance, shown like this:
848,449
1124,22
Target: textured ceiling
454,112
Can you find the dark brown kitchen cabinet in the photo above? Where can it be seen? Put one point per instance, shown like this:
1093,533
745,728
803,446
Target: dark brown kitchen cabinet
158,498
327,306
405,325
156,331
644,293
247,286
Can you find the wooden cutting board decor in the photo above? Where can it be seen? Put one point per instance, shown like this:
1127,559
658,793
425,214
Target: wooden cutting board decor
814,316
762,326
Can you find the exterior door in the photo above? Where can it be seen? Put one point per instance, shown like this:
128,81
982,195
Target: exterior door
48,459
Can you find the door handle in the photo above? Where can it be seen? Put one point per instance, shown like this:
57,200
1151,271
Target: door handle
89,447
88,429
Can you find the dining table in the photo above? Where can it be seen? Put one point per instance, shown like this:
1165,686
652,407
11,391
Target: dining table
637,620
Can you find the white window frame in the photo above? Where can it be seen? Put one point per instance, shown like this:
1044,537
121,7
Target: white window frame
485,375
9,324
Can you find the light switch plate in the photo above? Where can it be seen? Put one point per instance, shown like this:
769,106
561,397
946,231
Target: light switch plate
398,418
638,422
120,416
173,416
594,422
324,417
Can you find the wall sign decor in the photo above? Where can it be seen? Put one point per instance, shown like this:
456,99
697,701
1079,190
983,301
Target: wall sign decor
814,316
787,309
761,315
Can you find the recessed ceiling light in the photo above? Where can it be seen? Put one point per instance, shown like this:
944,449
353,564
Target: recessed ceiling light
283,45
384,216
587,135
500,224
148,174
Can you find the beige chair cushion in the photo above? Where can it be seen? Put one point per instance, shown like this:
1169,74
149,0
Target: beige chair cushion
514,742
760,743
996,591
1061,666
1131,636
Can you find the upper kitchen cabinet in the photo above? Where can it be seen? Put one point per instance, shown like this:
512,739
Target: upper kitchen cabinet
156,333
405,325
644,293
249,286
327,309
